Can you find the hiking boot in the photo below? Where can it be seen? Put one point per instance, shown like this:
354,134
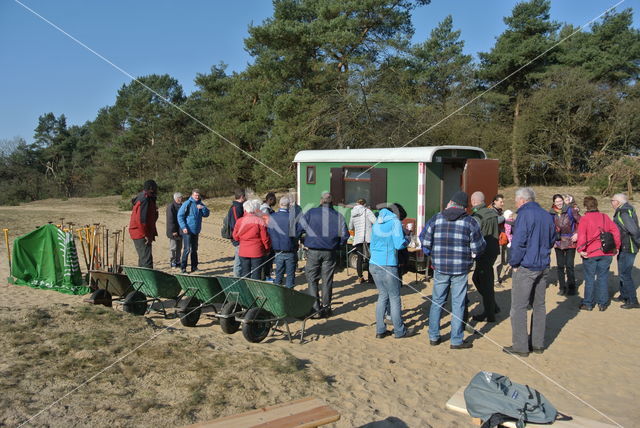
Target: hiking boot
630,306
584,307
383,335
463,345
183,271
602,308
537,350
410,332
509,350
618,298
435,342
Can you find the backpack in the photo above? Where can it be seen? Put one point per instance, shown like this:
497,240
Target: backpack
493,398
227,231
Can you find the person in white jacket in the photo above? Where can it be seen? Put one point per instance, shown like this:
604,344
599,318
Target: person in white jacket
360,222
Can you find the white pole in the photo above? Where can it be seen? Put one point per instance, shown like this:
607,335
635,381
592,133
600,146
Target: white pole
421,192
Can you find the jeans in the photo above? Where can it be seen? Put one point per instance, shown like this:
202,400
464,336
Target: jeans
362,264
237,267
388,285
528,283
175,251
483,279
145,256
442,283
596,280
190,244
565,260
286,263
625,267
251,267
321,264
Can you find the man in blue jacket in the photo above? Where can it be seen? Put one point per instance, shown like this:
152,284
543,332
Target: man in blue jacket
284,241
534,235
190,221
326,231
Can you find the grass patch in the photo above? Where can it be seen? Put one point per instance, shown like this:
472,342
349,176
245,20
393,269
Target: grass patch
174,378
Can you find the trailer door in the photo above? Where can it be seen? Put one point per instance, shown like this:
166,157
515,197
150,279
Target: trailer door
481,175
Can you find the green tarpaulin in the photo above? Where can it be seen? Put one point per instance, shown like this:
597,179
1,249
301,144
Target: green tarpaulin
47,258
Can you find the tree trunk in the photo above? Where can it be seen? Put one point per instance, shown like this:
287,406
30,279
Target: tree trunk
514,143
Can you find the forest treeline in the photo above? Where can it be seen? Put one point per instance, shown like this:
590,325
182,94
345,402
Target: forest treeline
344,73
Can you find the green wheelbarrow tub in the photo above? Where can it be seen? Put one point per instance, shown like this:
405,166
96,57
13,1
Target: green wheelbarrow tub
236,291
117,284
153,283
206,289
280,301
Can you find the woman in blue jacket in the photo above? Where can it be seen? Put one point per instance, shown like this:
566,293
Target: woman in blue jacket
387,238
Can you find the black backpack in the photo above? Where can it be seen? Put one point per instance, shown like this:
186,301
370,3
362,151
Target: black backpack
227,231
493,398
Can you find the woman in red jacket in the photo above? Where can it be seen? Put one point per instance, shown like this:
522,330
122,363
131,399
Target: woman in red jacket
251,232
595,262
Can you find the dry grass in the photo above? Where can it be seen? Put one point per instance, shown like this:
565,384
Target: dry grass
173,379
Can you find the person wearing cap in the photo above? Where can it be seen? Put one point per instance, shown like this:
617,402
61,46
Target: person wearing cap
284,243
142,224
534,235
451,238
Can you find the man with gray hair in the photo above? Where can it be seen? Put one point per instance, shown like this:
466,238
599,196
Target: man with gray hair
483,277
173,230
284,242
326,231
627,221
533,238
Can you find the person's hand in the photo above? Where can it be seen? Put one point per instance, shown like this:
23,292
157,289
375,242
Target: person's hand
574,238
514,270
584,253
199,206
147,240
175,234
185,231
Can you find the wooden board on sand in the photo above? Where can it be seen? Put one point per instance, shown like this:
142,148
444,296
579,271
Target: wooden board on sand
305,413
457,404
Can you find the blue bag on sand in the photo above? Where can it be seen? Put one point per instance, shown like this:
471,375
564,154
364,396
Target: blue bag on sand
493,398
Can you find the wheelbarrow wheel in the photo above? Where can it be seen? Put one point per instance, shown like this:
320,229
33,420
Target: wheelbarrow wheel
353,260
253,329
189,311
101,297
229,325
135,303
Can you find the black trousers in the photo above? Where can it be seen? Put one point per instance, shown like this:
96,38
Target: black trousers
145,258
483,279
566,261
362,250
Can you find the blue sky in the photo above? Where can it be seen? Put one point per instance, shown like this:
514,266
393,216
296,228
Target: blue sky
45,71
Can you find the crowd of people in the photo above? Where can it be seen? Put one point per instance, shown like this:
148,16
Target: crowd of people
486,239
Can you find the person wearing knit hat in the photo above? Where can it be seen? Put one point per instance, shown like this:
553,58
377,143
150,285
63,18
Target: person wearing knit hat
461,199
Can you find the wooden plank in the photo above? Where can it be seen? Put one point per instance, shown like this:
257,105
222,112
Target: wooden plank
304,413
457,404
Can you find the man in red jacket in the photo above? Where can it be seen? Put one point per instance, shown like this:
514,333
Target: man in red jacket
142,225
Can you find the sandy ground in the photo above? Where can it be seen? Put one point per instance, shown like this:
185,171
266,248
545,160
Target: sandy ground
591,361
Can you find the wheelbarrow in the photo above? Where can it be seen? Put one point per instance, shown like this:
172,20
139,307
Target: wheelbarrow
238,300
201,294
108,284
274,304
152,290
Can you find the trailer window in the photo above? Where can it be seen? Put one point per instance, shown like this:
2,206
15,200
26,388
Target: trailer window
311,175
357,184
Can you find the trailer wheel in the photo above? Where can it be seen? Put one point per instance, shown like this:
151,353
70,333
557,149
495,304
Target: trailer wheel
135,303
254,330
189,311
101,297
353,260
229,325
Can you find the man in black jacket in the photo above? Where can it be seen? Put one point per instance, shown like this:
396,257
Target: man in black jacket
235,212
173,230
627,221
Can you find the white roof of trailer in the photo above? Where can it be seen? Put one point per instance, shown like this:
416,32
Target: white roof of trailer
393,154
